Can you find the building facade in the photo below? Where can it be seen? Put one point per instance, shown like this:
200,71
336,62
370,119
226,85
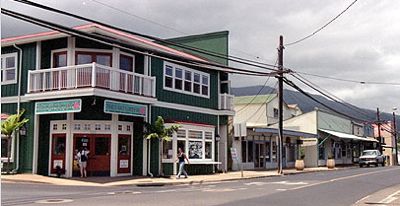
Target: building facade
80,93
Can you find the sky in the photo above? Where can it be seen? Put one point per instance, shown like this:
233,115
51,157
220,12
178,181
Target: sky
363,44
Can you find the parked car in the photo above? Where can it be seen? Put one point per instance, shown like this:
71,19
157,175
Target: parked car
371,157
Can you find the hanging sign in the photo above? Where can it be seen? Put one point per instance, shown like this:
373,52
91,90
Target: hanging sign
62,106
130,109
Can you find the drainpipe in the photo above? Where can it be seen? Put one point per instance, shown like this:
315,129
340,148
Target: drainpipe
149,146
18,103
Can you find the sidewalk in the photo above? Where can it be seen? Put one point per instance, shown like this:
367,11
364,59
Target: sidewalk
388,196
146,181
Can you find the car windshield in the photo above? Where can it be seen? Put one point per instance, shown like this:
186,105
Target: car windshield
369,153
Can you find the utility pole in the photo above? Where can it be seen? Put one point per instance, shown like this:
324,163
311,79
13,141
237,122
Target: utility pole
379,129
280,97
394,130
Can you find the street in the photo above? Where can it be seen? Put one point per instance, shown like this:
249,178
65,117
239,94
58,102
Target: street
342,187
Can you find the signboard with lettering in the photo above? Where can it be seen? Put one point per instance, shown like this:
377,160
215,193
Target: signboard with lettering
62,106
123,163
234,153
130,109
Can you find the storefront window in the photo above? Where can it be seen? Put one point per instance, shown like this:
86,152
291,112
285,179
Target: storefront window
195,150
244,151
291,152
268,151
4,147
250,151
208,150
59,145
197,143
123,145
195,134
167,150
321,152
274,149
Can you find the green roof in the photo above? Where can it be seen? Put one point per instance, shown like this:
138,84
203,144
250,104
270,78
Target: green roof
260,99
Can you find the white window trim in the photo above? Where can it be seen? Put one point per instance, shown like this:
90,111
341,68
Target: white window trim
3,70
5,159
188,127
183,80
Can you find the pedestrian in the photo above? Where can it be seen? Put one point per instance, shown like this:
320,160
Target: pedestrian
82,157
181,159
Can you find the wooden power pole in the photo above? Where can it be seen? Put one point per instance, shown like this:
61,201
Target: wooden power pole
379,130
280,97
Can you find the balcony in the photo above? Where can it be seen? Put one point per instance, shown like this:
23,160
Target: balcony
226,102
91,76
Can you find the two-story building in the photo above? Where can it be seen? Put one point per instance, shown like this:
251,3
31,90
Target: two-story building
81,93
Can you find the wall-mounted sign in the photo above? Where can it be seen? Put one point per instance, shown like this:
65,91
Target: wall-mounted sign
124,164
130,109
62,106
57,163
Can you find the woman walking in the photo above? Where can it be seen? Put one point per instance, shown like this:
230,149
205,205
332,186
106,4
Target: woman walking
181,159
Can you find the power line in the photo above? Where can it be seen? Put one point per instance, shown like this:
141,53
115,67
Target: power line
322,27
115,43
214,54
349,80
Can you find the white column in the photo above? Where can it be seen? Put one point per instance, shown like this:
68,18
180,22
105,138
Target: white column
114,146
146,65
115,64
70,61
69,152
36,126
144,161
174,152
38,54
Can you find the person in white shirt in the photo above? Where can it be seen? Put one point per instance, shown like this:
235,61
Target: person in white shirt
83,157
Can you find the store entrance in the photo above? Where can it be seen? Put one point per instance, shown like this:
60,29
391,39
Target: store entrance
99,146
260,155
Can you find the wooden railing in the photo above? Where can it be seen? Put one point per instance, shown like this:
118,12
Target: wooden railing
226,101
91,75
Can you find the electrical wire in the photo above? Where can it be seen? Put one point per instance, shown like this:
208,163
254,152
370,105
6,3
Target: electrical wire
115,43
214,54
322,27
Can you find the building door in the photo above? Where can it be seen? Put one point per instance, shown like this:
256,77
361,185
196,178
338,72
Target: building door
99,146
124,153
259,155
58,153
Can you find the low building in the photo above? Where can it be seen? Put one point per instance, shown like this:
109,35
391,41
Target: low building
388,141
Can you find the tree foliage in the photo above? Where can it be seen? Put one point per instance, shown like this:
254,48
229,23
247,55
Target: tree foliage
159,131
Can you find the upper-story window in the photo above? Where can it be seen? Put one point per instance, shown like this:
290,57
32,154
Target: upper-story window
60,59
89,57
9,68
276,113
127,62
182,79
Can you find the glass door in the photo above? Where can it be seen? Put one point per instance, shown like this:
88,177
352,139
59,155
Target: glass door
260,155
124,153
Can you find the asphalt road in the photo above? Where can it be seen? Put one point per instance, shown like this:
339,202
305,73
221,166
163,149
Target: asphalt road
342,187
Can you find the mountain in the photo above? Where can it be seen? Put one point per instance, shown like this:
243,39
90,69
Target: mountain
306,104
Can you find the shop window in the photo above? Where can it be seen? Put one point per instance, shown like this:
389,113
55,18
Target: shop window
77,126
208,150
208,135
274,152
167,150
107,127
291,152
268,151
97,127
123,145
250,151
195,150
9,68
244,151
4,148
64,126
102,145
182,144
55,126
58,145
321,152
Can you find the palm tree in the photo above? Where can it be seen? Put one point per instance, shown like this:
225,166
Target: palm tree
8,127
160,132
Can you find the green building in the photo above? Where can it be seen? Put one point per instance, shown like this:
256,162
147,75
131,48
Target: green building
80,93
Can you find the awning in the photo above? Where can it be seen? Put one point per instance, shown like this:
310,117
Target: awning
286,132
348,136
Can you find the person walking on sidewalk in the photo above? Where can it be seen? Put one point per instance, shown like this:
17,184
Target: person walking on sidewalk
181,159
82,157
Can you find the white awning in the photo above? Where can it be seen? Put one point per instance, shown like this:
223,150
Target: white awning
348,136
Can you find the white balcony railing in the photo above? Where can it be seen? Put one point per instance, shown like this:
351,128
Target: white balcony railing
226,102
91,75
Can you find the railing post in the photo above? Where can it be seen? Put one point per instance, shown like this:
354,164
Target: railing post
43,82
126,83
59,80
141,86
93,74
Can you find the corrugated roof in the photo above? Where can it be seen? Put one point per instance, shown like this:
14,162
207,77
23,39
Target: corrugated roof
260,99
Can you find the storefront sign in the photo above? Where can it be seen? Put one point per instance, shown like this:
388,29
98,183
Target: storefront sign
124,164
62,106
124,108
234,153
57,163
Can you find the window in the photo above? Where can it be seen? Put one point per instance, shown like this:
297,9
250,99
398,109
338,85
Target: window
185,80
126,63
276,113
97,127
250,151
77,126
60,59
208,150
58,145
9,68
244,151
4,148
195,150
89,57
167,150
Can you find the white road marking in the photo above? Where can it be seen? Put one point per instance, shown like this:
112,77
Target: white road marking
281,189
277,183
162,191
390,198
342,178
362,199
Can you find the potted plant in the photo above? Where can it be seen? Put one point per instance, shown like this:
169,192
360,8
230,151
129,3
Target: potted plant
299,164
331,162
